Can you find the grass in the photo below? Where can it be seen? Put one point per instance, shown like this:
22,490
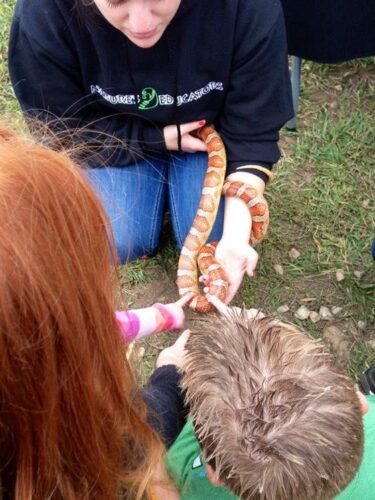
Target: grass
8,104
322,203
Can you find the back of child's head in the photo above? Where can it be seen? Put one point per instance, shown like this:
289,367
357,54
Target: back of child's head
276,417
67,426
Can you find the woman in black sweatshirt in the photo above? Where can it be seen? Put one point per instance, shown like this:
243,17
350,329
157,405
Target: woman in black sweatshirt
131,79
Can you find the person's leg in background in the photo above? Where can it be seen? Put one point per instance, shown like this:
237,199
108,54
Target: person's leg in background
134,198
367,381
186,174
367,378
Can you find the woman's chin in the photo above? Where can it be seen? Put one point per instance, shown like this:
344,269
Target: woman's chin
144,41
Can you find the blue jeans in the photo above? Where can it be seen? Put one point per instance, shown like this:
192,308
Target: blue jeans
137,196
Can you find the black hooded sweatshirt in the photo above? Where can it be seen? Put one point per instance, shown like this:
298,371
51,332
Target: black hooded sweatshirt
224,61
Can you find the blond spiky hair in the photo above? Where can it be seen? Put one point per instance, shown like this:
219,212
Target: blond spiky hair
276,417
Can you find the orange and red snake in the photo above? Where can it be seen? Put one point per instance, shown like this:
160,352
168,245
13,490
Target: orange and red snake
194,252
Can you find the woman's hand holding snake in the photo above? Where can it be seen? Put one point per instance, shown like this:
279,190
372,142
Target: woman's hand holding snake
234,253
236,260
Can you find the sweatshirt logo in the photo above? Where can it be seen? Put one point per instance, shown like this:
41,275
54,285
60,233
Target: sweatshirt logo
149,97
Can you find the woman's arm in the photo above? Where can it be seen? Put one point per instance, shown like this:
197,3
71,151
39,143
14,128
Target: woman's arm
258,101
234,252
257,105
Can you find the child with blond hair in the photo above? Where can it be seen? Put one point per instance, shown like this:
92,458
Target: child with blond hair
273,417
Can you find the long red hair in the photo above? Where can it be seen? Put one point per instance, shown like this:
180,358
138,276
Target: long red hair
72,423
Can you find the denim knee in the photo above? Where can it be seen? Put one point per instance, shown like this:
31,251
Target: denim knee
137,240
134,199
186,176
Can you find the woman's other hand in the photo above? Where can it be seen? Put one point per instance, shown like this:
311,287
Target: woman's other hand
189,143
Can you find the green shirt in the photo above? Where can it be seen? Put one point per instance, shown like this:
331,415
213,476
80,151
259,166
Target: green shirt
363,485
187,468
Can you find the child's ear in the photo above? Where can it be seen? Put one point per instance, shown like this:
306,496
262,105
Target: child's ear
212,477
363,402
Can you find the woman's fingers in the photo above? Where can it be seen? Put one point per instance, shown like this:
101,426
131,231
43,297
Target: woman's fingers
191,144
252,261
232,290
186,128
204,279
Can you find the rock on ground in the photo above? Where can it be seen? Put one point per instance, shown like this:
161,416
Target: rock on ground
302,313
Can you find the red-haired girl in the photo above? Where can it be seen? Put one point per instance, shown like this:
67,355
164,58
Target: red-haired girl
73,424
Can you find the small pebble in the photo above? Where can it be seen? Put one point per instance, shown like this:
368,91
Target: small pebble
314,317
361,324
371,344
302,313
365,203
325,313
294,254
283,309
279,269
333,104
358,274
336,310
340,275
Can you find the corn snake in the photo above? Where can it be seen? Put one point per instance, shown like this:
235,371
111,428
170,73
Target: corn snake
194,252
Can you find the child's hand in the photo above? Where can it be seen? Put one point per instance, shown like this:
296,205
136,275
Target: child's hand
225,310
174,355
176,309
